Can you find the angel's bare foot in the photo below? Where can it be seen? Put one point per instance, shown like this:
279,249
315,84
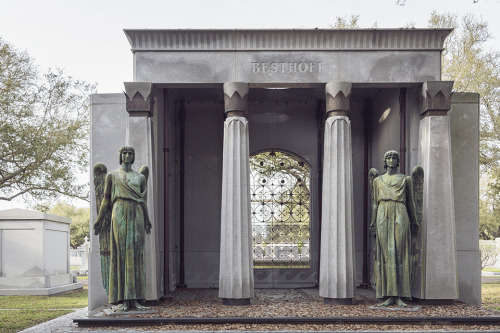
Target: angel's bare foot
135,305
389,301
400,303
124,307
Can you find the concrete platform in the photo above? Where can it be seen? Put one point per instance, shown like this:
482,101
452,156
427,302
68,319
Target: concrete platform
40,291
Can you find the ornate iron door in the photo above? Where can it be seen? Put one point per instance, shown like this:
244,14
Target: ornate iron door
280,200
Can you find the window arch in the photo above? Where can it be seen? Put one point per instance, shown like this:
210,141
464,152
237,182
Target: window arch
280,203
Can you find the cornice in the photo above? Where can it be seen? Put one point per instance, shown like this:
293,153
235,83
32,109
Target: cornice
286,40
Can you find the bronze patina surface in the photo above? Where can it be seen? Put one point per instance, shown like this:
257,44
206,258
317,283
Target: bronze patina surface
121,225
394,223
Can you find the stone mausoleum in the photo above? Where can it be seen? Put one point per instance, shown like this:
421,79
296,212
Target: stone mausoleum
259,144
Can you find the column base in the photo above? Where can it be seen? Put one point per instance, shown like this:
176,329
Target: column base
236,301
337,301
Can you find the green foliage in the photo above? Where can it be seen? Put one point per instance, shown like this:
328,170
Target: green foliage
343,23
474,68
44,129
489,217
80,225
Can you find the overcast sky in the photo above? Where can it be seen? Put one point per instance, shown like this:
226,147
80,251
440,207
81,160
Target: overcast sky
86,39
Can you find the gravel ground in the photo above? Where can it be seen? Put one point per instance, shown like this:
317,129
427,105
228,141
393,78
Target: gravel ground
303,303
297,303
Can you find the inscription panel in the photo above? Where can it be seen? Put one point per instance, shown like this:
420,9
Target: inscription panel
287,67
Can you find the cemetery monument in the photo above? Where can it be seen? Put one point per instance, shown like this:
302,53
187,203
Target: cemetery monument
259,144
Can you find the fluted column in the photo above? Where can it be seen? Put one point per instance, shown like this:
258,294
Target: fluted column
439,257
236,285
336,276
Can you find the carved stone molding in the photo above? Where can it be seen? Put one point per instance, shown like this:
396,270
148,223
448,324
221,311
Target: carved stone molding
338,95
436,97
236,98
139,98
286,39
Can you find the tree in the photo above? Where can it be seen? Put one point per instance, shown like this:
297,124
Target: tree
489,219
473,67
489,253
80,225
44,129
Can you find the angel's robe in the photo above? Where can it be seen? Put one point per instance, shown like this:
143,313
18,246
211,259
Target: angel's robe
127,276
393,238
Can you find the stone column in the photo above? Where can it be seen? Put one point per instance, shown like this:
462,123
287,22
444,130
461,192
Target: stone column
439,257
236,285
336,276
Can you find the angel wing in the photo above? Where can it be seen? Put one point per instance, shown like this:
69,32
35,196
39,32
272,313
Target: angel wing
417,177
144,170
99,174
372,174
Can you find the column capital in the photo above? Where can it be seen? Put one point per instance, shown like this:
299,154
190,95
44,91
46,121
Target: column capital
435,97
338,95
139,98
236,98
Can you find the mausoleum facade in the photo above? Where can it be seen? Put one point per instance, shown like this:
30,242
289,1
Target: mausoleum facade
259,144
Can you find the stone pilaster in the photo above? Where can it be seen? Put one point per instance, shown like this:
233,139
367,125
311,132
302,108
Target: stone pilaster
139,134
439,257
336,276
236,285
139,98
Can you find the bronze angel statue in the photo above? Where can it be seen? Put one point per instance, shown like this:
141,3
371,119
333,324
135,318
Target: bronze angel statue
396,219
121,225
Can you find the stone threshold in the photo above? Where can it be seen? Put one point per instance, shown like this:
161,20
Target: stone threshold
135,321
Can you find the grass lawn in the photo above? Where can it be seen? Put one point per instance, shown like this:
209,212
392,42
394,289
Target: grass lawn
491,296
15,321
491,269
27,311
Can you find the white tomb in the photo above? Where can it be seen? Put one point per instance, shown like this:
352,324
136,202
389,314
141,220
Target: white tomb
34,253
